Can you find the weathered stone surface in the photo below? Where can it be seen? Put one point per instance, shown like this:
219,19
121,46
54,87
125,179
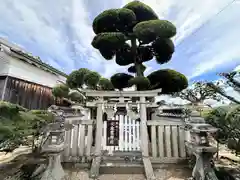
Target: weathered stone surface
54,170
161,174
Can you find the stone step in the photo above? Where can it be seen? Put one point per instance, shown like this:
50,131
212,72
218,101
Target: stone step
123,159
120,154
122,177
121,168
122,163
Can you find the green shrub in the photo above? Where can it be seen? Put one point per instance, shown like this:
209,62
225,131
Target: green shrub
18,123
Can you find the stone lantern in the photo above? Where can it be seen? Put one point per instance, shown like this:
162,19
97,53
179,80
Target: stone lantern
200,148
52,147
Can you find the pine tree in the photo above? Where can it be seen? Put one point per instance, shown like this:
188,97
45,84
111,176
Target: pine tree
134,35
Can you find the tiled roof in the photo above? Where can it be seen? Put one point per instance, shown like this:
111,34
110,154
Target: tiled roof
38,61
27,57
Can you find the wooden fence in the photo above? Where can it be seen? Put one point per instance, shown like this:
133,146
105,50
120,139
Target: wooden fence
78,141
167,141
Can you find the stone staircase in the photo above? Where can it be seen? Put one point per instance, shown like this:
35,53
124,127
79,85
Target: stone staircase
122,163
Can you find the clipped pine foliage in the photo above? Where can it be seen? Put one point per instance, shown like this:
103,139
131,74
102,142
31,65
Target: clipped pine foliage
92,79
142,11
143,83
127,19
148,31
109,40
163,49
145,53
105,84
120,80
163,46
124,56
132,69
163,58
133,35
114,20
60,91
168,80
108,54
76,78
106,21
124,59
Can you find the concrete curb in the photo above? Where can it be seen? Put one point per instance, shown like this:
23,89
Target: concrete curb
4,158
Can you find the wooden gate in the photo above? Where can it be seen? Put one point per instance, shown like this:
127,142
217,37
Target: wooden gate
121,134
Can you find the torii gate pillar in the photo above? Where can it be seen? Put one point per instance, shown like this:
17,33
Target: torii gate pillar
144,140
94,172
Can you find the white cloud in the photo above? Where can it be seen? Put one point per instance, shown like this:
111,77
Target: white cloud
60,32
237,68
171,100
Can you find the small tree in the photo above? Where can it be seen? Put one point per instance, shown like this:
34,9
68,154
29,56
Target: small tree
220,90
60,91
86,79
81,79
198,93
134,34
227,120
231,80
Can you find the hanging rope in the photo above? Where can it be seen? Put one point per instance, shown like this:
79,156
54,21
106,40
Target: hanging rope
127,107
138,108
115,108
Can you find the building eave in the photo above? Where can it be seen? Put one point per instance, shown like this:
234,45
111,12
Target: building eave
19,53
34,61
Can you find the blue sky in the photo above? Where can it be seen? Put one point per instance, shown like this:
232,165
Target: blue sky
59,31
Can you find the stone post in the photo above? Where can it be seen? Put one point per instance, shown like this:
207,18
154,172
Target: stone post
143,127
144,141
99,128
94,172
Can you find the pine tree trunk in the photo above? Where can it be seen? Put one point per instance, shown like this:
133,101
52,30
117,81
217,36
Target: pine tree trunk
136,63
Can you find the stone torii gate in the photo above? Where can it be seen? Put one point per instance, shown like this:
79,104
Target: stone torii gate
143,103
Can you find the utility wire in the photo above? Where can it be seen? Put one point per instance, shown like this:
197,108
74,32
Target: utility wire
206,22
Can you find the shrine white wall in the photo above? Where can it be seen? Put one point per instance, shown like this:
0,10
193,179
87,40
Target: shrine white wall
13,67
4,64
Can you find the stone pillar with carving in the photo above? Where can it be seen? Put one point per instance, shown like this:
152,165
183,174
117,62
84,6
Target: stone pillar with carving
198,145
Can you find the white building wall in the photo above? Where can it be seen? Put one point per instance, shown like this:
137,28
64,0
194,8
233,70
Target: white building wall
25,71
4,64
